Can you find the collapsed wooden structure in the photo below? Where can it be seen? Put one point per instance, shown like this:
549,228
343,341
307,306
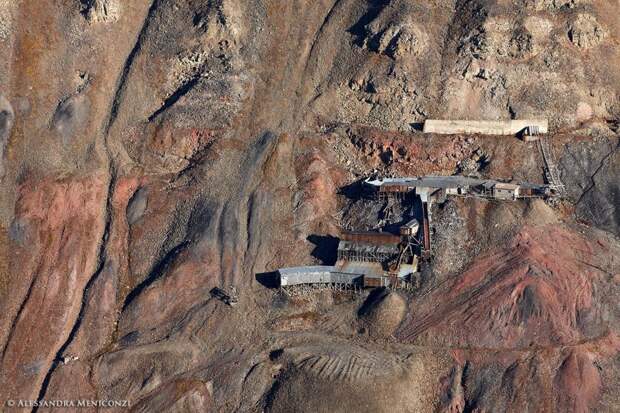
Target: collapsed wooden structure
383,259
434,188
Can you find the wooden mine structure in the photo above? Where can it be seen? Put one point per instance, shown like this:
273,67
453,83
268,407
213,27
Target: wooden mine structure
552,174
434,188
365,260
384,259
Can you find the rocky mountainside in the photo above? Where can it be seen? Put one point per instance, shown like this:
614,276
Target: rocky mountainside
152,150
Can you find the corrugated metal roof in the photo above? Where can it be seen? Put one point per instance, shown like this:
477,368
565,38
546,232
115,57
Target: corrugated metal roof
359,267
430,181
437,181
367,248
306,269
317,274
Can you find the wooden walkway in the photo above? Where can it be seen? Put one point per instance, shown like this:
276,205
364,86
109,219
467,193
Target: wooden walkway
552,173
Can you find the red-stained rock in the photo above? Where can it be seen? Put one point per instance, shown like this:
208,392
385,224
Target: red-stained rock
65,225
101,301
316,198
577,383
532,292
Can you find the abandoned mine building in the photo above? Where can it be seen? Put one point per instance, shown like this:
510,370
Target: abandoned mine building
364,259
385,259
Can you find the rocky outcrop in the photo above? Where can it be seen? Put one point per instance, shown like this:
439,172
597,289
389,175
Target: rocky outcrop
402,40
7,117
101,11
476,61
585,32
589,170
6,20
556,4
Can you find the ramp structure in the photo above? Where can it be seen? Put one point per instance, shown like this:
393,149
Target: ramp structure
552,174
435,188
486,127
